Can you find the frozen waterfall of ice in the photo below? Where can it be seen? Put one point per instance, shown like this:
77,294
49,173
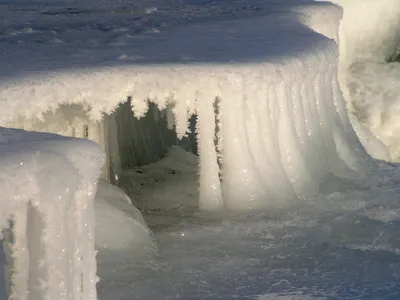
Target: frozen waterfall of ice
281,126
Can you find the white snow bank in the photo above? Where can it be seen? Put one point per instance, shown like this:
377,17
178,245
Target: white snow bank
119,224
48,184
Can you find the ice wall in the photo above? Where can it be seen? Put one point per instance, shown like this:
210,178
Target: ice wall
48,184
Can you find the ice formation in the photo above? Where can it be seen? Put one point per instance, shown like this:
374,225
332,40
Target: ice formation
369,39
281,126
48,185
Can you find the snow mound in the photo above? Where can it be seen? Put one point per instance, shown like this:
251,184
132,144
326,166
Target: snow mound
119,224
170,184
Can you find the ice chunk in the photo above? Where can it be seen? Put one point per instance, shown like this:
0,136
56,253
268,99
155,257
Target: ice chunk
48,184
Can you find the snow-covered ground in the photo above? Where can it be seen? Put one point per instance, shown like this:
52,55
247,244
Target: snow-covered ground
343,244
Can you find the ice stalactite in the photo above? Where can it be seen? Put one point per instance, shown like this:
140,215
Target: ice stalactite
241,187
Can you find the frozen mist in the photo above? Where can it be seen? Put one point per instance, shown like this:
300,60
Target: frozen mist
297,207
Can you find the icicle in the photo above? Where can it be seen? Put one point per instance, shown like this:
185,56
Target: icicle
273,182
181,117
242,188
292,158
210,188
139,107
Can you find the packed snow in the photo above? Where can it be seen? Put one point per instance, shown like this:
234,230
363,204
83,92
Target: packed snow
266,80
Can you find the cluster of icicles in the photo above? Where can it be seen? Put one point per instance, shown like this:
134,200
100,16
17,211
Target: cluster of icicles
269,134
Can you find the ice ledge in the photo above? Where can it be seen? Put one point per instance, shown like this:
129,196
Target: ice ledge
182,60
272,124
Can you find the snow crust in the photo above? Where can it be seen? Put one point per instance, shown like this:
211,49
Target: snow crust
48,185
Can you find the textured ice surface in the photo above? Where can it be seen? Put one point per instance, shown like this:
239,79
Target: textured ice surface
369,38
48,183
369,30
